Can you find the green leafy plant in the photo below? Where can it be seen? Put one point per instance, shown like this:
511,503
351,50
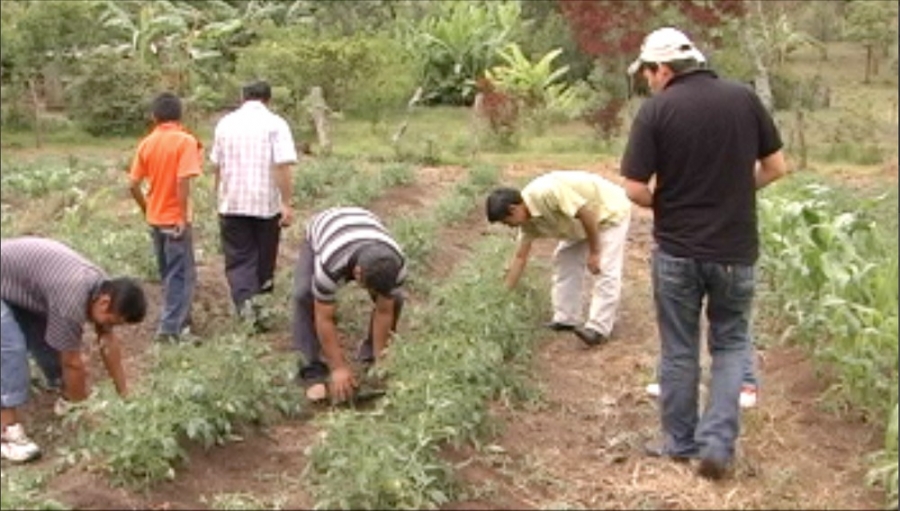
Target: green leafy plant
536,85
459,42
885,472
23,489
834,278
440,382
202,395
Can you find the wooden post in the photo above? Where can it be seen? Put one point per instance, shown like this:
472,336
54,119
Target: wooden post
320,113
413,101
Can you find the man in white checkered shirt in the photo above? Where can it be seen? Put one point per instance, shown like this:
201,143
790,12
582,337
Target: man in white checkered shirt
253,155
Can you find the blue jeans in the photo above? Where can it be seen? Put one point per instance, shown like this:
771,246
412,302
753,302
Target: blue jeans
679,286
21,333
175,260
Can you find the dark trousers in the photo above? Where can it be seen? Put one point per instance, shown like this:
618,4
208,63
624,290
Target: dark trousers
250,245
177,269
303,322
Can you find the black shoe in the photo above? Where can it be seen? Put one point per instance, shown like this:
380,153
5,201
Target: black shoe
712,469
656,450
167,339
589,336
559,327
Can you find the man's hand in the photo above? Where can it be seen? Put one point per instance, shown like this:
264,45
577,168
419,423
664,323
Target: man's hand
343,384
287,215
62,407
593,263
111,354
74,375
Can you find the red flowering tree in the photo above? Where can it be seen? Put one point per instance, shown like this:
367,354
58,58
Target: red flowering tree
611,31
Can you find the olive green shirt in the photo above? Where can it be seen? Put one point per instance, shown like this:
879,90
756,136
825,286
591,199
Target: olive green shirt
554,199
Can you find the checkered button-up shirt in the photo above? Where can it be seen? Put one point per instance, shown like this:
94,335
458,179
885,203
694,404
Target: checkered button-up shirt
248,143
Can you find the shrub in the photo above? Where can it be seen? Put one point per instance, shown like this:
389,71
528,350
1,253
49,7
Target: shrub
111,95
361,74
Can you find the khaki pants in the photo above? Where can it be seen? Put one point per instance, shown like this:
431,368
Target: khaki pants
569,261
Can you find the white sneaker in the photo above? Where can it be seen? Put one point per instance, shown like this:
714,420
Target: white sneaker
747,400
16,446
748,396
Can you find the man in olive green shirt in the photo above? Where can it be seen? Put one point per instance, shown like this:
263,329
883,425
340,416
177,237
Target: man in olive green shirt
589,215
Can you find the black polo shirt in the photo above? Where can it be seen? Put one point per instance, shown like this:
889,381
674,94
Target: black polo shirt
701,136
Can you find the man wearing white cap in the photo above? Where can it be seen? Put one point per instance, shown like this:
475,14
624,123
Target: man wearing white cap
708,144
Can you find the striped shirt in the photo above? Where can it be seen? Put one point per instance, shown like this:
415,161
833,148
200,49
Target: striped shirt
247,144
50,279
336,235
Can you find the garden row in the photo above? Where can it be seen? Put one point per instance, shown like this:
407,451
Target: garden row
832,274
468,347
191,395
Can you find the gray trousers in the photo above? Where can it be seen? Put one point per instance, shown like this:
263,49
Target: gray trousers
303,321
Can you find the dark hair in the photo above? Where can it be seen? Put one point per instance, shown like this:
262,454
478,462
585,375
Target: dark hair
166,107
499,201
126,298
380,265
259,90
677,66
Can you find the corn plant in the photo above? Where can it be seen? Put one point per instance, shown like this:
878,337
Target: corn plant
834,277
836,282
885,471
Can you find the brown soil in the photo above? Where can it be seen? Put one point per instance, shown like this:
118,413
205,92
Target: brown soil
578,447
582,446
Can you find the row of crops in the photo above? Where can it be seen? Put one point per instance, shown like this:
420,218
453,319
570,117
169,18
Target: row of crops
830,278
831,273
145,440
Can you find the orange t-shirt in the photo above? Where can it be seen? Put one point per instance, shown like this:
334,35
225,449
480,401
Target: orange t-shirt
164,156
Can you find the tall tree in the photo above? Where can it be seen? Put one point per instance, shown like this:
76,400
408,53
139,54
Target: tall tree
874,25
612,32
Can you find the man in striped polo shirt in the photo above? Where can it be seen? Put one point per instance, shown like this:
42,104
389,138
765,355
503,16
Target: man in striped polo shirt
343,244
47,293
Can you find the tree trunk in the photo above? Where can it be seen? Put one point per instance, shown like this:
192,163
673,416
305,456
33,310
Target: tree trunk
868,78
761,80
36,108
801,139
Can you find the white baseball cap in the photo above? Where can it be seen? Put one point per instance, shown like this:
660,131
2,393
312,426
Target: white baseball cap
665,45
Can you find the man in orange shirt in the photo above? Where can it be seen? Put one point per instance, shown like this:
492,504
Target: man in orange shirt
168,158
